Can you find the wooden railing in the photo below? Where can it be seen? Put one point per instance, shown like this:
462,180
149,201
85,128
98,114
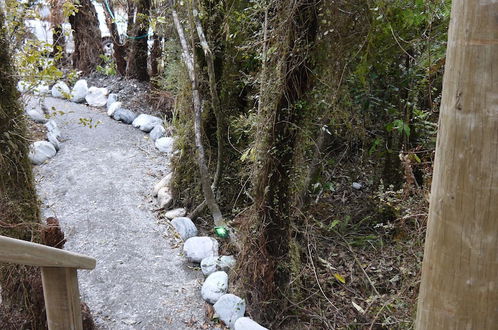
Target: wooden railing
59,278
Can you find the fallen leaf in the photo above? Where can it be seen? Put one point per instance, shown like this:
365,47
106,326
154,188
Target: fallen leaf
340,278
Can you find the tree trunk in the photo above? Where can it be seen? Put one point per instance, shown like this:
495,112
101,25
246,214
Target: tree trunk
138,48
87,38
207,190
270,246
19,212
215,99
155,55
117,44
459,287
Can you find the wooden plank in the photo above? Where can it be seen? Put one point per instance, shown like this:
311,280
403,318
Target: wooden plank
62,298
26,253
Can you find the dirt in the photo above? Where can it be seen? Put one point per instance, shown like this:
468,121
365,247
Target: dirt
99,186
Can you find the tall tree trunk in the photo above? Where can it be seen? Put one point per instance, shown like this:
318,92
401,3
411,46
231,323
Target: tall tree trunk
119,49
215,99
87,38
19,212
270,247
138,48
189,59
459,287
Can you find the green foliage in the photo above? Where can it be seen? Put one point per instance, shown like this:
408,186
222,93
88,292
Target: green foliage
35,60
109,68
398,77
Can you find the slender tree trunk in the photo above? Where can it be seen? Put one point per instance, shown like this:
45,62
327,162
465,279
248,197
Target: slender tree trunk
459,288
189,60
118,46
87,38
155,55
19,213
138,47
215,99
58,43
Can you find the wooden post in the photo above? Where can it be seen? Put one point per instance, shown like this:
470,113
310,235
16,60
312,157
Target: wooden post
459,287
62,298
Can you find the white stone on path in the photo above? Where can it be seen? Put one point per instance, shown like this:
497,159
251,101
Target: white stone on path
41,89
210,265
61,90
36,116
112,108
124,115
245,323
175,213
163,183
164,198
157,132
215,286
79,92
52,128
230,308
146,122
53,139
198,248
22,86
184,227
165,144
96,97
41,151
112,98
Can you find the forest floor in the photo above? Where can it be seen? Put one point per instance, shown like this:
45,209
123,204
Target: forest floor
99,186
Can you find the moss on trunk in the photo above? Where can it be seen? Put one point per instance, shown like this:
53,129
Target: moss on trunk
19,212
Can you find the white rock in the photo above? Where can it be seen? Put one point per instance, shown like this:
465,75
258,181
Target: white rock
41,151
163,183
215,286
245,323
210,265
198,248
146,122
53,139
22,86
124,115
230,308
157,132
79,92
41,89
357,185
165,144
60,90
112,108
36,116
52,128
111,99
175,213
96,97
164,198
184,227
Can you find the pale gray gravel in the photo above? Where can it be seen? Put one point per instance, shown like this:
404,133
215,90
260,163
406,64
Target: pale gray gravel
99,185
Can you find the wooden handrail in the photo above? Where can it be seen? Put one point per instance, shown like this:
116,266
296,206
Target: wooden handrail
26,253
59,278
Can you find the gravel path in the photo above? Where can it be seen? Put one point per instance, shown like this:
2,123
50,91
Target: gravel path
99,186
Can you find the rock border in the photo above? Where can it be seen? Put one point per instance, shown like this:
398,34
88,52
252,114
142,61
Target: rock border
203,251
95,97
